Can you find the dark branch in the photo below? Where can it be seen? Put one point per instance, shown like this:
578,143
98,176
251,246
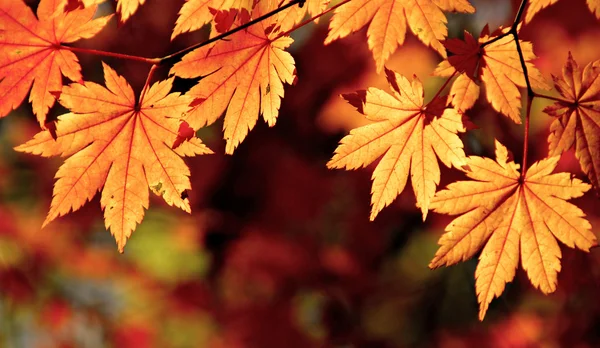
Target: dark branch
175,57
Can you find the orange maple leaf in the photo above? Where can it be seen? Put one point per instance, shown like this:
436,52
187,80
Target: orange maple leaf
511,215
31,52
409,134
196,13
536,6
389,19
497,65
243,75
120,147
578,117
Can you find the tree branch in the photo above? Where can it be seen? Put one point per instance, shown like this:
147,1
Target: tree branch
175,57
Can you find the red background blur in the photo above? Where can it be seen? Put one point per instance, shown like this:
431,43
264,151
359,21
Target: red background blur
279,251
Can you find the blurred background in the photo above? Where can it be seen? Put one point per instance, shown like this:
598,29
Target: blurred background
279,251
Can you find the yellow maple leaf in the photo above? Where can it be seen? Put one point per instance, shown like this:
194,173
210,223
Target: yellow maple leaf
120,147
388,23
514,217
243,75
31,55
408,134
497,65
578,116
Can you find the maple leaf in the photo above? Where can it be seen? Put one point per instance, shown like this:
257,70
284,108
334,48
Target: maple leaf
120,147
578,117
196,13
497,65
243,75
287,19
31,55
408,134
536,6
388,21
511,216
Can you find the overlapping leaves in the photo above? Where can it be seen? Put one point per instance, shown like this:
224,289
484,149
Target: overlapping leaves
119,146
389,20
196,13
512,217
497,65
409,134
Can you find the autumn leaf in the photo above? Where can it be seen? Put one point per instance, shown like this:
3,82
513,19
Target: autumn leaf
31,55
120,147
497,65
536,6
511,216
287,19
196,13
125,8
578,117
408,134
388,23
243,75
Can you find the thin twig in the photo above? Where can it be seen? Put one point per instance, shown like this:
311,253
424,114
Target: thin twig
530,92
539,95
444,85
173,58
110,54
513,27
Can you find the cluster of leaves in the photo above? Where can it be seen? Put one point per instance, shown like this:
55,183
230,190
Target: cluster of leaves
123,146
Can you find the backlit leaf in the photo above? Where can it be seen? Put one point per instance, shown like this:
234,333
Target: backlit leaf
287,19
196,13
510,218
243,75
120,147
409,134
389,20
31,56
578,117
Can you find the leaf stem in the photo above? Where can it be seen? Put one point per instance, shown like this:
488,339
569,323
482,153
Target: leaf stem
538,95
526,137
443,86
147,84
110,54
173,58
298,26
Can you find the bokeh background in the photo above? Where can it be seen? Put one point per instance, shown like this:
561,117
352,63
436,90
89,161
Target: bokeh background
279,251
